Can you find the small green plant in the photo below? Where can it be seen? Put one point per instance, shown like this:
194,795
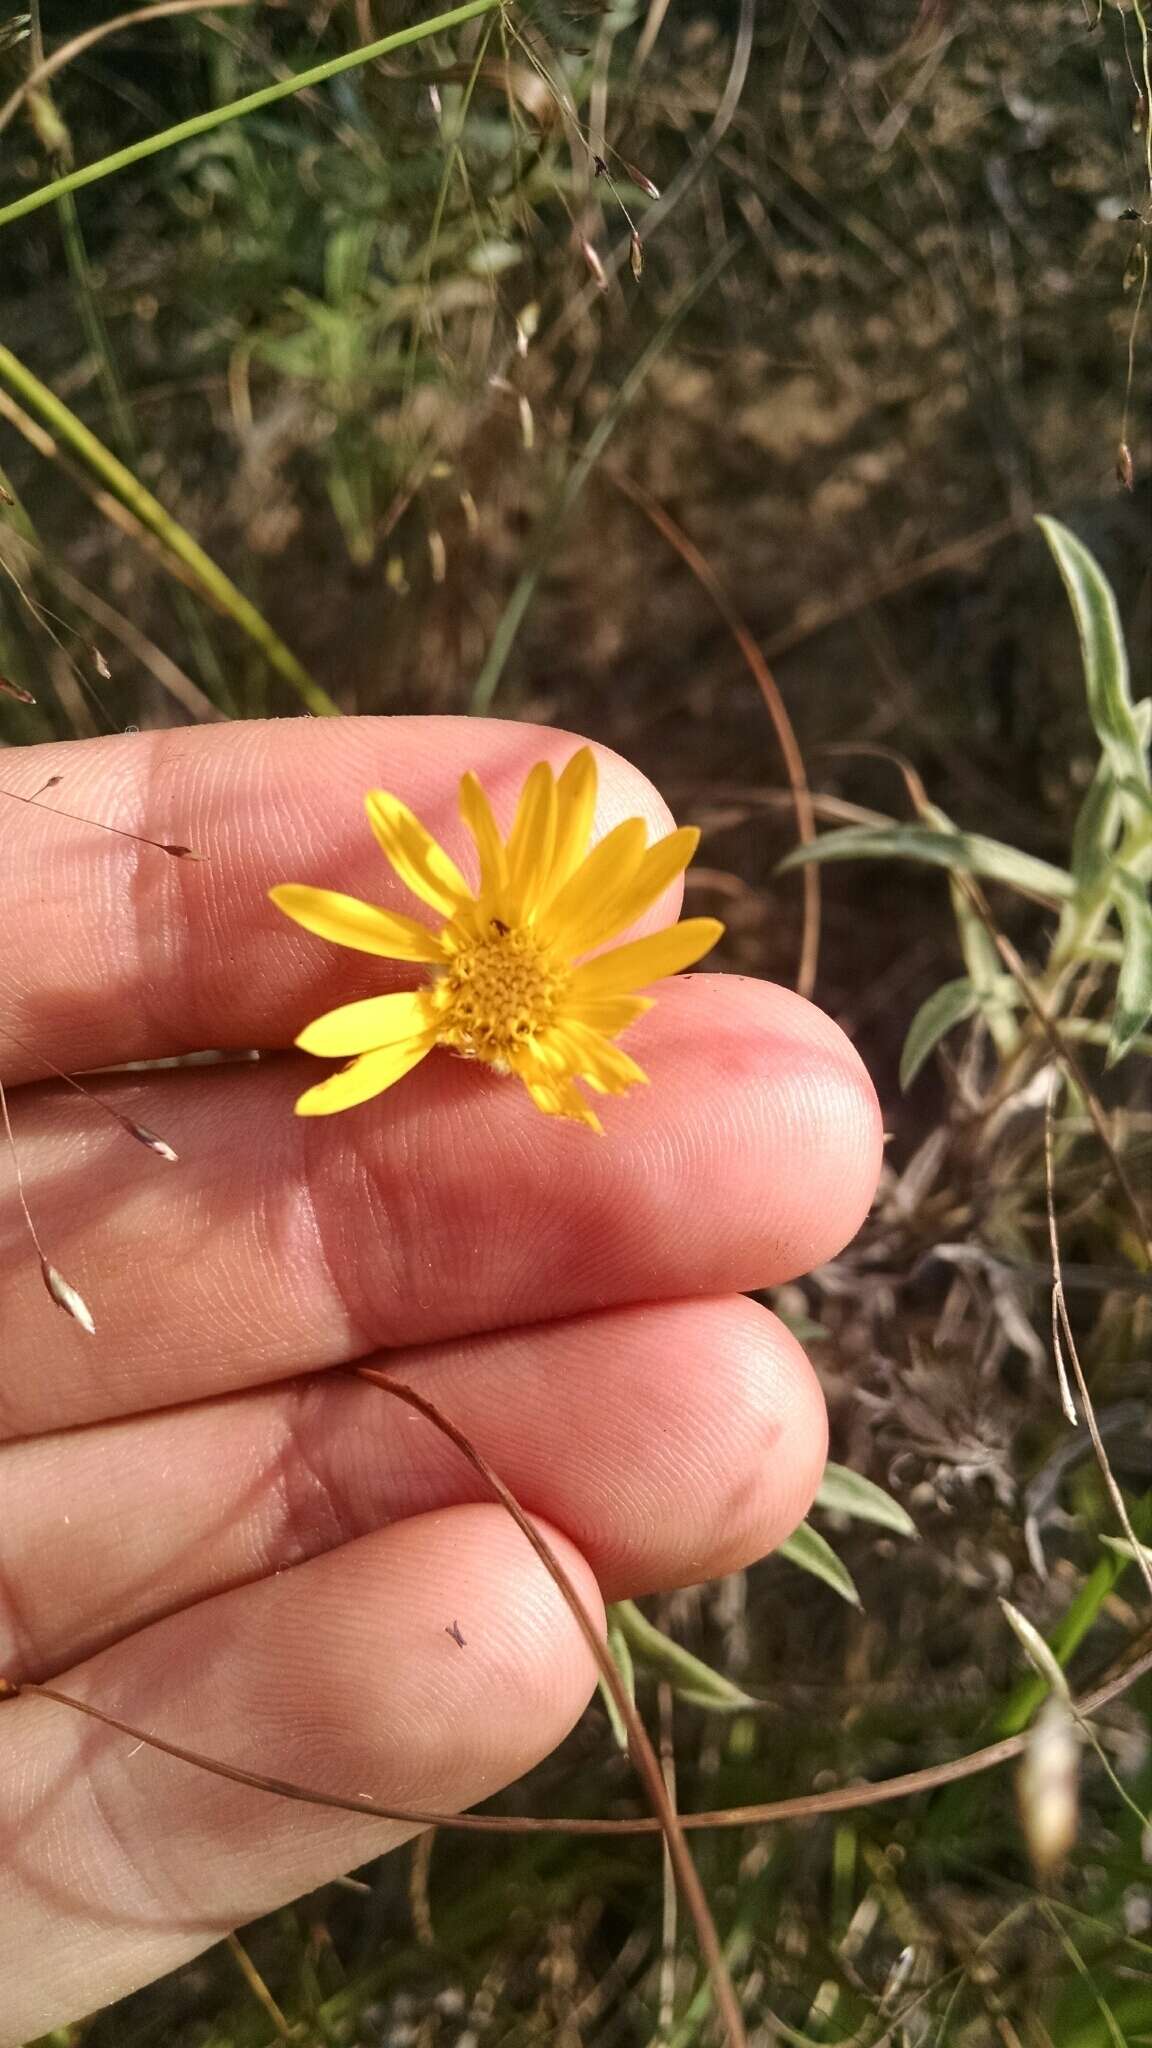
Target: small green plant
1094,984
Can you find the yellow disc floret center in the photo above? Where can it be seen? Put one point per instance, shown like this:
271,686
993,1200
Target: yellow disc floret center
500,990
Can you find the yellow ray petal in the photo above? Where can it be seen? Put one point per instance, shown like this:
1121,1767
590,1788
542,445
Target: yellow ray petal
562,1098
646,960
580,1050
366,1026
415,855
476,812
531,842
609,1014
624,903
608,868
575,809
349,922
365,1077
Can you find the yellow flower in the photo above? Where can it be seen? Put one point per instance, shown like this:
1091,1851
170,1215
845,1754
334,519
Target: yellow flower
506,985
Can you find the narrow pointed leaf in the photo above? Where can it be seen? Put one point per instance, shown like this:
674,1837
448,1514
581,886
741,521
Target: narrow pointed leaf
966,853
951,1004
1102,647
809,1550
690,1678
954,1002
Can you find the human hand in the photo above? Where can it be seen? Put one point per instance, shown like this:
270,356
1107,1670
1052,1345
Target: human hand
207,1531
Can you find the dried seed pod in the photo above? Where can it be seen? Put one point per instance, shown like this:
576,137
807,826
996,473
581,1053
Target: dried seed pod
1048,1788
66,1297
639,178
599,275
143,1136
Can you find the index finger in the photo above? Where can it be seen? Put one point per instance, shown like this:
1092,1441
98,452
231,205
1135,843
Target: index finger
115,951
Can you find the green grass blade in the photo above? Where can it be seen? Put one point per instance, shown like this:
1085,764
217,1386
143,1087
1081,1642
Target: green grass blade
215,117
118,478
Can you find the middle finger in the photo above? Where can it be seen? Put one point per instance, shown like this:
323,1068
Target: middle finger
275,1246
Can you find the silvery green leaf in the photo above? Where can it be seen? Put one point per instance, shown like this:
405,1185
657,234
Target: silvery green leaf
844,1492
1102,647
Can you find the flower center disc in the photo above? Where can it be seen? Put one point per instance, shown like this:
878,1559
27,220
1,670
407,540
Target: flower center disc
500,990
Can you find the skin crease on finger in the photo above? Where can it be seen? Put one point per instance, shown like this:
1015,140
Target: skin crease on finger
119,1864
670,1443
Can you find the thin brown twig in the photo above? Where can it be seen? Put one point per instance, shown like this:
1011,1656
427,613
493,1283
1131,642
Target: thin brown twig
643,1756
1062,1327
168,673
1062,1049
47,67
111,507
816,618
774,703
809,1806
685,178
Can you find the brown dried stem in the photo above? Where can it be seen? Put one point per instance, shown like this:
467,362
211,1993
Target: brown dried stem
809,1806
47,67
774,703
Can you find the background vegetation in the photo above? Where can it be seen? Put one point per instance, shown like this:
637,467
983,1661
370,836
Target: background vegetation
358,402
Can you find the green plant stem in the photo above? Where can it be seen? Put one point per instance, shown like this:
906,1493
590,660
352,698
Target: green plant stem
64,424
251,103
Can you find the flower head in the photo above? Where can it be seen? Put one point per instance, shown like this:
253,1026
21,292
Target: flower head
506,985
